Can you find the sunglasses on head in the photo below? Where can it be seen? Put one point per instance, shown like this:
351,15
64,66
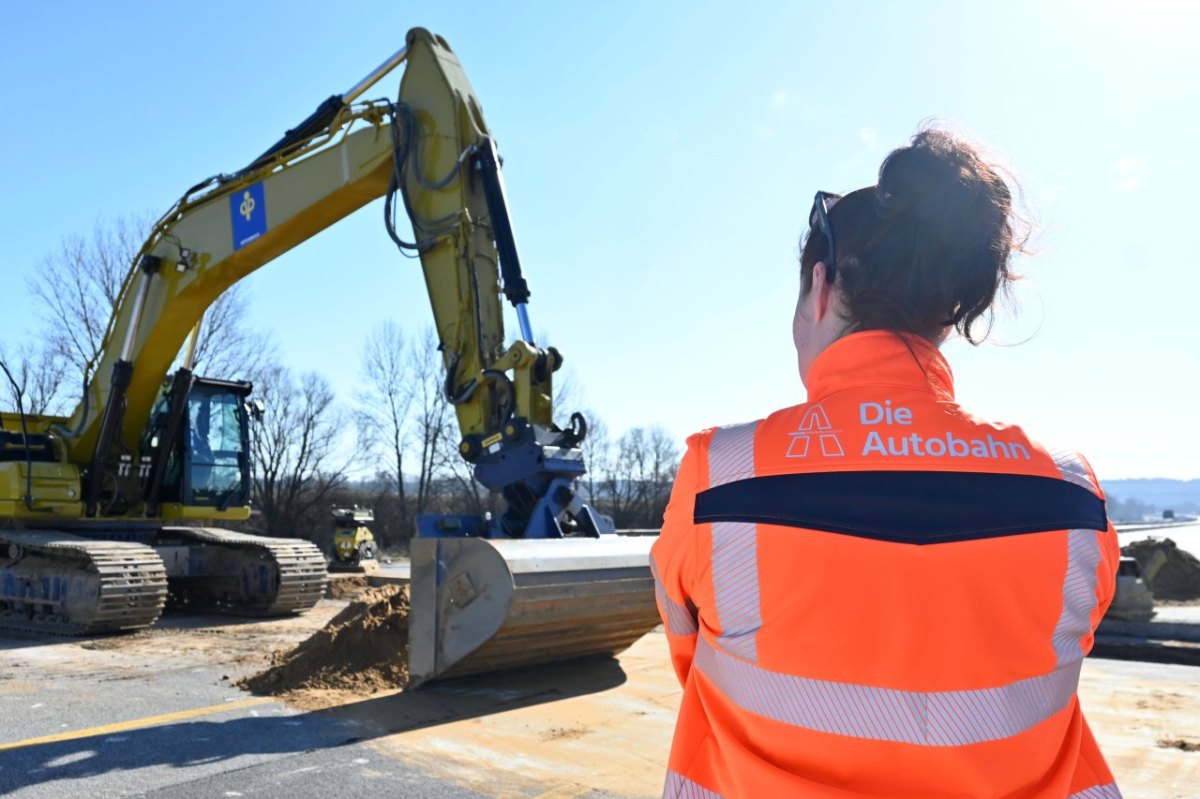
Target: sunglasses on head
818,219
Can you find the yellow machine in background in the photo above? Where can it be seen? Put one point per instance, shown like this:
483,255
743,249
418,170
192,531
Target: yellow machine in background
353,542
102,509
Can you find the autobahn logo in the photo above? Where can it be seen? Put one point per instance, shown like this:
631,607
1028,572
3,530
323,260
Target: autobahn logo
815,424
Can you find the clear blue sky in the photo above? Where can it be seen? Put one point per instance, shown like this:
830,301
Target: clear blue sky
660,160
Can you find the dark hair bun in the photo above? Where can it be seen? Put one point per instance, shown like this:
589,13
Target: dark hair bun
930,247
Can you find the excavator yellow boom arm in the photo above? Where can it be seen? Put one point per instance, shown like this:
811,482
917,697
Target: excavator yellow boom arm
229,227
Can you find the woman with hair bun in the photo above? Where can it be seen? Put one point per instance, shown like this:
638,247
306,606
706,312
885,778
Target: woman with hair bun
876,593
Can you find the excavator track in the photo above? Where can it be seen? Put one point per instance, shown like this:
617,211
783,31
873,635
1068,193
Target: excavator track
53,582
247,575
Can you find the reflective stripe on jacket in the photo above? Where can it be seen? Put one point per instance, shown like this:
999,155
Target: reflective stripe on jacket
875,594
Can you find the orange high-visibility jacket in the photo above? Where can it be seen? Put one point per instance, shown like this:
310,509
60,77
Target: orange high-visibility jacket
876,594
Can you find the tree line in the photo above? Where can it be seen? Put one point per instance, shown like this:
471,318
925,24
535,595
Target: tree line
393,447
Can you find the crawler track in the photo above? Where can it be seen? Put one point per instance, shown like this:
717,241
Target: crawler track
54,582
249,575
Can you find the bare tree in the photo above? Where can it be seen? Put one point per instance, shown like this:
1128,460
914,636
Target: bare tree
468,495
663,462
405,411
294,448
79,286
432,415
383,409
596,456
620,489
38,372
229,348
637,483
1130,509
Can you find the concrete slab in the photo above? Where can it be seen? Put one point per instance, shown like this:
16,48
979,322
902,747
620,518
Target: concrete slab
397,572
1170,623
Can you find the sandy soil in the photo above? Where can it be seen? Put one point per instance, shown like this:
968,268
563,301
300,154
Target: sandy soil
361,652
1146,718
346,586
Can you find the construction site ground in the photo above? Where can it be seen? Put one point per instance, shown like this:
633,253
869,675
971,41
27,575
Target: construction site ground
157,714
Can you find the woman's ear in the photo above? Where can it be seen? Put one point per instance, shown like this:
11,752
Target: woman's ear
822,292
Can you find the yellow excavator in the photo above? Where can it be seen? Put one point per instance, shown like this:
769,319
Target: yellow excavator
105,511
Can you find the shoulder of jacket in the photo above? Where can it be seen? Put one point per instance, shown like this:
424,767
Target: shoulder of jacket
1074,468
1070,465
702,438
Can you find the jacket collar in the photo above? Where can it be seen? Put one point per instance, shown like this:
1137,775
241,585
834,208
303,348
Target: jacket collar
880,357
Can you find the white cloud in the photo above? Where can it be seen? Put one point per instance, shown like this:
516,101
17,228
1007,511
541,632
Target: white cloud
870,137
1127,165
1127,169
781,100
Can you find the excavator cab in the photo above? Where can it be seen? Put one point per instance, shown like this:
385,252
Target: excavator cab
204,441
216,444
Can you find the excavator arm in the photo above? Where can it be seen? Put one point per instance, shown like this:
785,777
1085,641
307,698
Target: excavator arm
547,579
432,150
448,173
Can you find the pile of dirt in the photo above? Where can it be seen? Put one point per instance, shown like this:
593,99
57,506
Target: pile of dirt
347,587
363,650
1174,574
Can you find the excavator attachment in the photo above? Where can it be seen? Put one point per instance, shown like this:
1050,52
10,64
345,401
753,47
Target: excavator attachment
547,579
481,605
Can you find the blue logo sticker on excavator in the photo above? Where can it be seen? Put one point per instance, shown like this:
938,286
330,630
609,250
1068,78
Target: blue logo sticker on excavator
248,210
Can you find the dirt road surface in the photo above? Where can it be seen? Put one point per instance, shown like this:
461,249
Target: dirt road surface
157,714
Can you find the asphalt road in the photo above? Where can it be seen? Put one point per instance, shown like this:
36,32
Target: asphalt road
153,728
157,714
